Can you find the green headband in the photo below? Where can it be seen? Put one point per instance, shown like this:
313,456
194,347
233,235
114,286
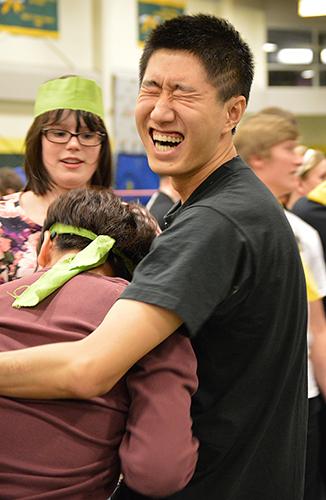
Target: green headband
74,92
59,228
92,256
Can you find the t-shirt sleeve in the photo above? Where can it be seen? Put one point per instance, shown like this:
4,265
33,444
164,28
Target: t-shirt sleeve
201,255
158,452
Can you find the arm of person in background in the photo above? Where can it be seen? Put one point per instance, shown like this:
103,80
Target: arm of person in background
91,366
159,453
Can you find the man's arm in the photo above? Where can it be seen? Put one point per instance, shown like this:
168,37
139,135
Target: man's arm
91,366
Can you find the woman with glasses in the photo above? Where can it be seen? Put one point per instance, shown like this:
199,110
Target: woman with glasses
67,147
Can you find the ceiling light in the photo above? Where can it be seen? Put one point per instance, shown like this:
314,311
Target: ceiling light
323,56
308,74
269,47
311,8
295,56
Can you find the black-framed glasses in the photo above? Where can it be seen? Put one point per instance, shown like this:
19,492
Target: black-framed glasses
88,138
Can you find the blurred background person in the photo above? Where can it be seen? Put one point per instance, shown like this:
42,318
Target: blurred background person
162,200
311,173
67,147
10,181
283,113
312,209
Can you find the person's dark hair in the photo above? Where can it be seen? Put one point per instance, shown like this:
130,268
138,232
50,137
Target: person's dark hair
226,58
102,212
38,179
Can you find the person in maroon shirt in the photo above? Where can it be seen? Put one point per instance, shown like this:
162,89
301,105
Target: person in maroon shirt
142,427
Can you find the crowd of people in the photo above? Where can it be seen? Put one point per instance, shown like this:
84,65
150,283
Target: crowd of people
176,350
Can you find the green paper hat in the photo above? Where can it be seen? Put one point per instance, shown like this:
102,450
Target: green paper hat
73,92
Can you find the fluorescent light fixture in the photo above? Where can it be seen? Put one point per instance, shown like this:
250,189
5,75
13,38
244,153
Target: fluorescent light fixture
311,8
295,56
323,56
308,74
269,47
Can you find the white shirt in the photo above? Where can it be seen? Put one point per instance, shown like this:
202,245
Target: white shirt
312,254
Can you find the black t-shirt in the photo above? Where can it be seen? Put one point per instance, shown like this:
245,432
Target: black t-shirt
228,265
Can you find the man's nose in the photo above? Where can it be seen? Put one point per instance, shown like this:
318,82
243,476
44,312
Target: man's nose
163,110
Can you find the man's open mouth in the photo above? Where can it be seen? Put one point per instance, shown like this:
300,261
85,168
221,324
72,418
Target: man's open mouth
166,142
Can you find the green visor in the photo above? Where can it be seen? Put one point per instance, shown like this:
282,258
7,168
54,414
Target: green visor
74,92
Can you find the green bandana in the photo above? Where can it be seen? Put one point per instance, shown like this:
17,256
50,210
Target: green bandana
92,256
74,92
59,228
66,229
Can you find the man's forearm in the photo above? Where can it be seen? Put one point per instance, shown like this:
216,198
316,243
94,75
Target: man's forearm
89,367
45,371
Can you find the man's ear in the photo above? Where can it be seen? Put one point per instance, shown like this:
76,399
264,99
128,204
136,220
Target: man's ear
236,106
44,257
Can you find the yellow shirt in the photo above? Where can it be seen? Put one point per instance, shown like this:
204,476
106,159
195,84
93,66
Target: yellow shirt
318,194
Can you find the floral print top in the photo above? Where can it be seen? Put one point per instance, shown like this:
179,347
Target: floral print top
19,236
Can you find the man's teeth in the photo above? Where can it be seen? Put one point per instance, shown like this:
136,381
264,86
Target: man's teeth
166,142
163,147
166,138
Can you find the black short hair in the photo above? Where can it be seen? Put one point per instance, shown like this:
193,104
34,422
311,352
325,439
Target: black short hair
226,58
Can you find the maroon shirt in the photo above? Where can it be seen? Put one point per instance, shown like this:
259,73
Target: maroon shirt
70,448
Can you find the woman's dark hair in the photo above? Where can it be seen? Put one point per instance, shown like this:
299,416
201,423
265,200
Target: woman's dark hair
99,210
38,179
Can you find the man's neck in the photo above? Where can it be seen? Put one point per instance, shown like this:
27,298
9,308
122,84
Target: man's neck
186,185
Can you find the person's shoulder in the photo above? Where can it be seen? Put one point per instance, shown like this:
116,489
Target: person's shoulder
303,205
299,225
93,279
236,181
11,288
235,191
312,212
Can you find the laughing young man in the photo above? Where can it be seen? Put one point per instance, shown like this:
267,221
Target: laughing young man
217,271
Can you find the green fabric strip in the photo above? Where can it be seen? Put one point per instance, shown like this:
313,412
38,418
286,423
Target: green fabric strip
92,256
67,229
